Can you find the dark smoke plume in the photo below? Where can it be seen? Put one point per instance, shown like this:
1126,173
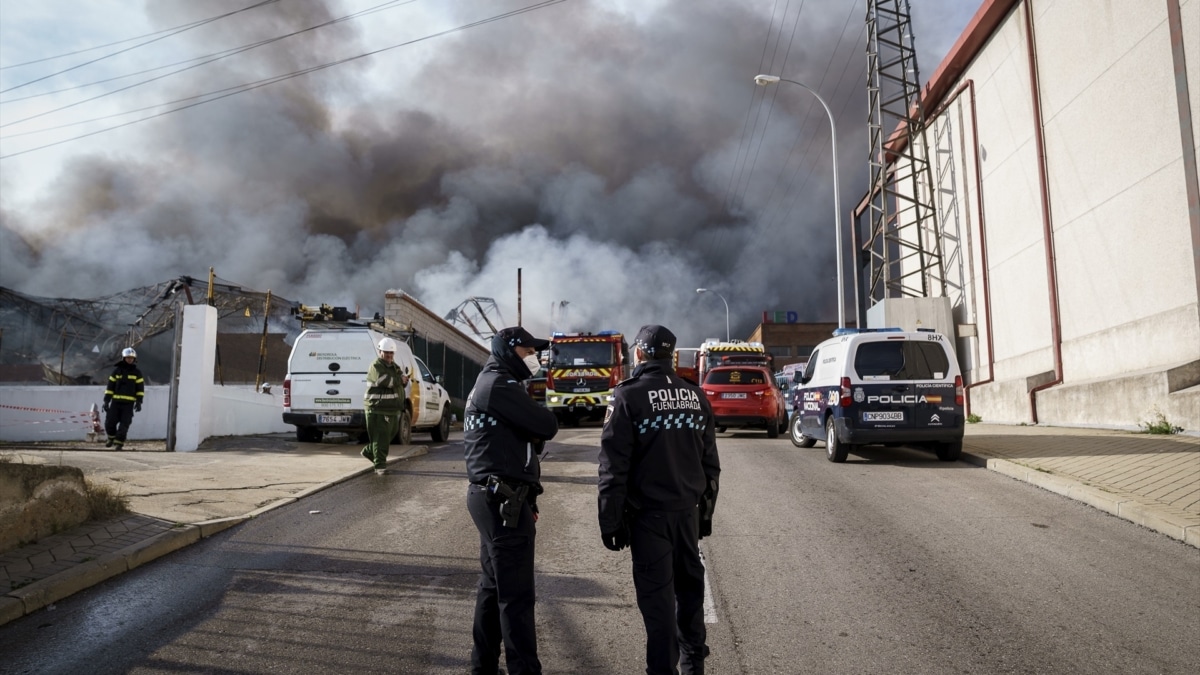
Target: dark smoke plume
608,155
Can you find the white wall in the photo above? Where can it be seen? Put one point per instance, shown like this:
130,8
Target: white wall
37,413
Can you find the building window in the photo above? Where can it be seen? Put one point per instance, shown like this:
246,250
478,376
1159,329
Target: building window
805,350
779,350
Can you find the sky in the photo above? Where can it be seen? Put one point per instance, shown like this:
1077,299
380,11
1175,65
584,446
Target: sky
617,153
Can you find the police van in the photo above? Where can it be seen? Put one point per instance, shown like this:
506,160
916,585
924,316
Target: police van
880,386
327,378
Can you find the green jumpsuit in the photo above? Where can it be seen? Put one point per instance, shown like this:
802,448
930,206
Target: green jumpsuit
383,404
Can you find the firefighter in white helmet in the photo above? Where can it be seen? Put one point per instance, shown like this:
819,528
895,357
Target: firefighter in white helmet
122,398
383,404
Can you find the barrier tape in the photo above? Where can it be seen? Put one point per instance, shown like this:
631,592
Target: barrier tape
41,410
70,419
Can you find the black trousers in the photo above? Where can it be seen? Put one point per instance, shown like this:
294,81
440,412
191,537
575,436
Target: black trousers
669,579
117,420
505,599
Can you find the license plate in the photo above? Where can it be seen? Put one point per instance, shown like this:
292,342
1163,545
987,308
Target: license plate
580,390
734,394
897,416
333,419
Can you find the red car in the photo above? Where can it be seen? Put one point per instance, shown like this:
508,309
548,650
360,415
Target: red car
745,396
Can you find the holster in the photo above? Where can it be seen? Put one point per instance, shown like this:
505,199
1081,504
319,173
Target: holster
511,496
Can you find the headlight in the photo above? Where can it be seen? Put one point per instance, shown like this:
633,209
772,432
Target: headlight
608,398
555,399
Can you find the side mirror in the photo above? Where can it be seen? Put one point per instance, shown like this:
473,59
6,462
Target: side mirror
439,379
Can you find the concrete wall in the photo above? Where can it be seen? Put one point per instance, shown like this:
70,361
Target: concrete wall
37,413
402,308
1124,254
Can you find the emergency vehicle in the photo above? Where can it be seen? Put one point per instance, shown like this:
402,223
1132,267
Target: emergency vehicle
715,353
880,386
581,372
684,360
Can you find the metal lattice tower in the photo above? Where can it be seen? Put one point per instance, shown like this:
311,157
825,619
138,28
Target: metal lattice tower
903,246
474,311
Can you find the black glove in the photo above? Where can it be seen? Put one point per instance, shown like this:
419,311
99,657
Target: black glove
708,503
137,407
617,540
105,406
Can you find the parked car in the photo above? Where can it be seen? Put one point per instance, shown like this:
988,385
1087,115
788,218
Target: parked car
881,386
745,396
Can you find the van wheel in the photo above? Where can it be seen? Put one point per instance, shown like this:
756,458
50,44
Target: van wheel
308,434
949,452
798,438
442,431
773,428
835,450
404,435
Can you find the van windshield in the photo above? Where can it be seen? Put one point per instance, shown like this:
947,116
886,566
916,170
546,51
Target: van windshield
901,360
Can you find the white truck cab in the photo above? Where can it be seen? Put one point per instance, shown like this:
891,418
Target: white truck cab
880,386
327,378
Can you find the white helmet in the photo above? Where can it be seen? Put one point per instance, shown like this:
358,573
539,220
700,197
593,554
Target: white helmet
387,345
127,352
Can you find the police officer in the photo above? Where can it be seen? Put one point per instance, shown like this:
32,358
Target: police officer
504,431
122,398
658,486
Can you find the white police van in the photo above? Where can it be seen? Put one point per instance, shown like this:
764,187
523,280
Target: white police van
880,386
327,377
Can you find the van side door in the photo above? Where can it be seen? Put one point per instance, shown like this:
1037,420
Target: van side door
429,406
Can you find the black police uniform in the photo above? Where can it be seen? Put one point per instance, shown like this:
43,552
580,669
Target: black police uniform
658,456
504,430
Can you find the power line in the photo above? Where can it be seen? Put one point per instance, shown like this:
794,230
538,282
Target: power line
774,95
753,94
807,116
122,51
190,24
287,76
237,50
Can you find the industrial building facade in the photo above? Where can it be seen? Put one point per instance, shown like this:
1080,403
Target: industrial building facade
1064,134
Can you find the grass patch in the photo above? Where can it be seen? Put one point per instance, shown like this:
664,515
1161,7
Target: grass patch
974,419
105,502
1159,425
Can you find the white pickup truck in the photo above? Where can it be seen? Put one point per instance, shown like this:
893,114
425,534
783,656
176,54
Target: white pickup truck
327,377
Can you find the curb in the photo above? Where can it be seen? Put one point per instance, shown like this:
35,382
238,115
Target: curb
43,592
1161,518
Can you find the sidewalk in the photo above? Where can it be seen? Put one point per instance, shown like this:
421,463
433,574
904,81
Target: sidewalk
179,498
176,499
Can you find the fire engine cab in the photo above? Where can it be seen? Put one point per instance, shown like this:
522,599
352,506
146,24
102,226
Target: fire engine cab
581,372
732,353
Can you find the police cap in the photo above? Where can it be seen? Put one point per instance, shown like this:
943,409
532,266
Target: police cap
656,341
519,337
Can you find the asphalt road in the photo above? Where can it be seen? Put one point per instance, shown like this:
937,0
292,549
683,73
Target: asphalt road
892,562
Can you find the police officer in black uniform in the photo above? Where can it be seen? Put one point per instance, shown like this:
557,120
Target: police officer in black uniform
504,431
657,489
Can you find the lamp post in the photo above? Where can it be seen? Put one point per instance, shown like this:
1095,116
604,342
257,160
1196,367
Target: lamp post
764,80
705,290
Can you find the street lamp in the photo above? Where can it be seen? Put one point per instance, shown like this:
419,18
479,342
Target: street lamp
705,290
764,80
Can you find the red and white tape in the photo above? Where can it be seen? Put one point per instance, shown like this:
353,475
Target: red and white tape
41,410
81,418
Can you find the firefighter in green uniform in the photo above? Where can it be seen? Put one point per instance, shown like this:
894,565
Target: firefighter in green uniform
383,403
126,387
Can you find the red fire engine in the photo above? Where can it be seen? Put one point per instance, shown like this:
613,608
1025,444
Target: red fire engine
582,371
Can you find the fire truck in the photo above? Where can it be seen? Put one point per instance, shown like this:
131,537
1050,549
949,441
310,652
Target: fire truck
685,362
735,352
583,368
